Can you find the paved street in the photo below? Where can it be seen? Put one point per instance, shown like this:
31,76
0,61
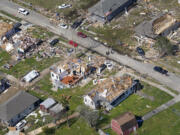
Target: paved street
171,81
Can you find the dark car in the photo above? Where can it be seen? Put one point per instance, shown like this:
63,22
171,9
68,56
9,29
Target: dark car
80,34
76,24
4,85
160,70
140,51
53,42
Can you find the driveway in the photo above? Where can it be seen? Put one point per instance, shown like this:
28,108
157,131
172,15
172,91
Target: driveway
172,81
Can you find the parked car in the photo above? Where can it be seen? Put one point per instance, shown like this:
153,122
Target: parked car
64,26
73,43
140,51
76,24
4,85
54,41
80,34
20,125
160,70
31,76
23,11
64,6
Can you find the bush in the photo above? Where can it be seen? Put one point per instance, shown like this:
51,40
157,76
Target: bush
164,46
49,131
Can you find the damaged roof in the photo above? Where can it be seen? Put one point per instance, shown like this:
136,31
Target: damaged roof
111,88
155,26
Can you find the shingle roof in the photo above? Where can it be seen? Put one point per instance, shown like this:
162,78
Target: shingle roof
48,103
126,120
16,105
102,7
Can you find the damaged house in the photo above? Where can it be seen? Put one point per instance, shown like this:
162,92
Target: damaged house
106,10
162,25
111,92
69,73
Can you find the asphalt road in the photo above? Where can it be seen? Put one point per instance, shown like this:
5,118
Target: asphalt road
172,81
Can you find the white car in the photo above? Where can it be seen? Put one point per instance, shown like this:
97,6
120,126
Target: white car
31,76
23,11
64,26
20,125
64,6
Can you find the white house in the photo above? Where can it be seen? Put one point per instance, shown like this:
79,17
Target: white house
111,92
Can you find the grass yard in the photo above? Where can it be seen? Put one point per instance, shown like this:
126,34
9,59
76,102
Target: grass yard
52,4
23,67
138,105
40,33
113,36
4,57
11,16
77,127
164,123
75,93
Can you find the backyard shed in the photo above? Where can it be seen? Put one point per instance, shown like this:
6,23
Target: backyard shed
56,110
47,104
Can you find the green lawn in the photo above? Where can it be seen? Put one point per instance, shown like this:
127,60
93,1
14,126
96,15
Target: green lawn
77,127
113,36
75,93
40,33
138,105
23,67
164,123
4,57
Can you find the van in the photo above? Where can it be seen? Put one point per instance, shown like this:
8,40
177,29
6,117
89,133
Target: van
23,11
20,125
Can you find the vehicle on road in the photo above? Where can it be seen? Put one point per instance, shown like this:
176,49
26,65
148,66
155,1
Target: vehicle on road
64,26
73,43
54,41
76,24
64,6
140,51
80,34
23,11
21,125
160,70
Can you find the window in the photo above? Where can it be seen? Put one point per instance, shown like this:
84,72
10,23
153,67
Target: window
85,100
92,103
52,74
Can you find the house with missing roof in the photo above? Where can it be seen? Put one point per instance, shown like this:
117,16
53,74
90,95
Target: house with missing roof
110,92
162,24
106,10
124,124
69,73
17,107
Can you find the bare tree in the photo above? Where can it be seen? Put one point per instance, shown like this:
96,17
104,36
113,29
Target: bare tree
91,116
